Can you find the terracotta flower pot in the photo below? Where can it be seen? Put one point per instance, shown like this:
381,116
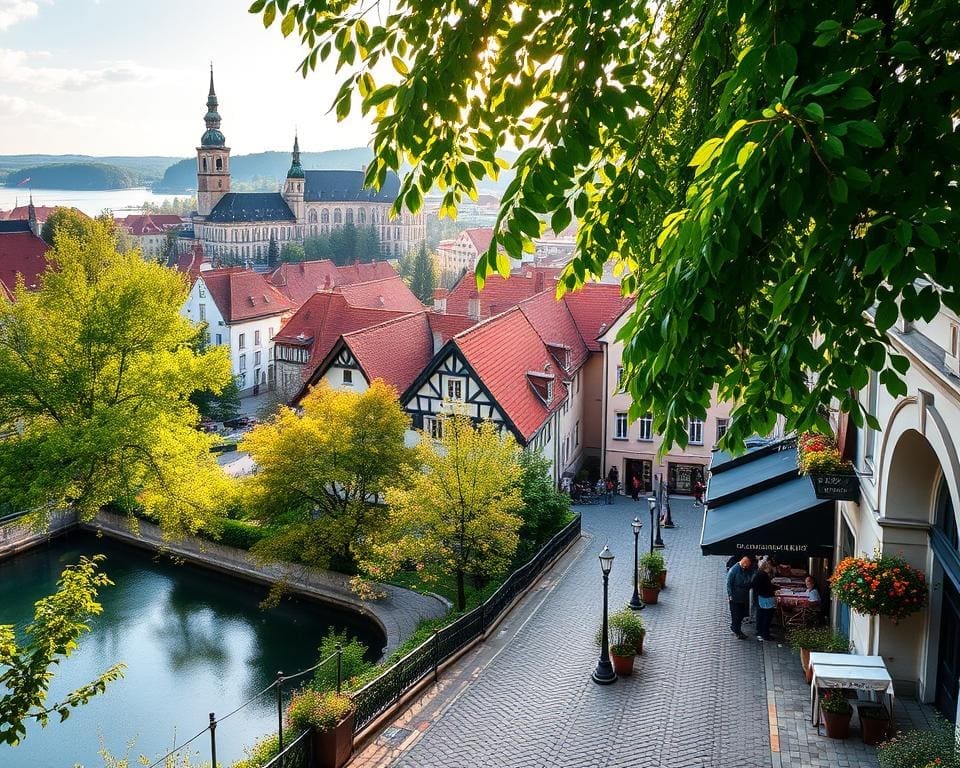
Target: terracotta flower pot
663,578
622,665
837,726
332,748
874,730
649,595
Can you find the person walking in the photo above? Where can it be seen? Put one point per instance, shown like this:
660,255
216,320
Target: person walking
698,490
765,591
609,491
635,488
739,578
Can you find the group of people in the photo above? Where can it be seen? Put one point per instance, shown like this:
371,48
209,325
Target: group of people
742,577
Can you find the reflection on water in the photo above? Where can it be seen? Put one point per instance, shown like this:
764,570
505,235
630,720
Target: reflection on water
194,642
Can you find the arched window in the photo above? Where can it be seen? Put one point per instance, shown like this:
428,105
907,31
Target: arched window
203,162
362,216
312,216
337,218
349,218
219,164
324,216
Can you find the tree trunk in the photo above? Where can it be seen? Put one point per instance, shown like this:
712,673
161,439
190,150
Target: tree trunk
461,592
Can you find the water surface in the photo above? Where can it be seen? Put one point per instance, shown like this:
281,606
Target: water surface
194,641
91,202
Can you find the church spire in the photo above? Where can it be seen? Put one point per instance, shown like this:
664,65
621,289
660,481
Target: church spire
296,170
212,137
32,217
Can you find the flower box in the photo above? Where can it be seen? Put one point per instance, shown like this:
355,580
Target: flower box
836,486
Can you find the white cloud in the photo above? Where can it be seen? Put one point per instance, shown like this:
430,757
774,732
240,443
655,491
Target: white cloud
20,67
14,107
12,11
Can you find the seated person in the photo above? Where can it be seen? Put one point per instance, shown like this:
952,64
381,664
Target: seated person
812,594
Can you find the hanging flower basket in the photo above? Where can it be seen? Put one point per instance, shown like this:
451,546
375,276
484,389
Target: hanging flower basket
880,586
833,476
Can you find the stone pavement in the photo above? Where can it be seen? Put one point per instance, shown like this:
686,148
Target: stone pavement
698,696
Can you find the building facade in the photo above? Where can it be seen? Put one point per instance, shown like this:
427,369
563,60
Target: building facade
909,501
238,227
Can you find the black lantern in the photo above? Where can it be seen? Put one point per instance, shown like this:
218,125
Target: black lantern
635,602
604,674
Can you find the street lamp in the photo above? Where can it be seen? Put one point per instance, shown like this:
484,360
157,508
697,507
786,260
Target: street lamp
668,518
604,674
657,541
652,501
635,602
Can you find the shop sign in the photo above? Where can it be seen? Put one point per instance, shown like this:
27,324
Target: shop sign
837,487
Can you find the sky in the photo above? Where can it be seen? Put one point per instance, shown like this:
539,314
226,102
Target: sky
130,77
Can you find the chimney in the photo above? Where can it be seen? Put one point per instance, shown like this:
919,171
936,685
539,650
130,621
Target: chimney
473,305
538,281
437,341
327,283
440,301
380,302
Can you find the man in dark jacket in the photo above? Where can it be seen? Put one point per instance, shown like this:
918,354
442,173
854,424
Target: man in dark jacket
739,578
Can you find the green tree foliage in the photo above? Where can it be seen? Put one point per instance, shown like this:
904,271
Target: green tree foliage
68,221
353,661
423,274
273,253
344,245
460,514
763,175
292,252
545,510
26,665
92,176
95,372
322,473
182,206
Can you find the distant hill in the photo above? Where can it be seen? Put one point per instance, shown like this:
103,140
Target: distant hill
265,171
151,167
81,176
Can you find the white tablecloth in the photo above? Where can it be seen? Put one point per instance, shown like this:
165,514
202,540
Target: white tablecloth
864,673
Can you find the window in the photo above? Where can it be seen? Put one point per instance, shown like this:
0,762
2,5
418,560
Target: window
256,375
870,434
619,378
620,431
645,427
576,434
256,357
203,312
722,425
219,163
454,389
578,382
256,338
242,341
243,362
219,339
695,431
954,340
203,293
549,392
433,427
348,377
242,380
337,216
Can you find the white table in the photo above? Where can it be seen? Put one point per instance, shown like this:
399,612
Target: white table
842,670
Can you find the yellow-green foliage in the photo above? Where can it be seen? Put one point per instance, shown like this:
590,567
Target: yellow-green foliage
459,514
95,371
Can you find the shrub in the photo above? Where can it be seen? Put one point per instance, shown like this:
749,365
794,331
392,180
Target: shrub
627,627
262,752
835,703
240,534
884,585
935,746
313,709
353,663
652,563
821,639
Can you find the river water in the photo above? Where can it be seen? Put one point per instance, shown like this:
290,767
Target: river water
194,642
120,201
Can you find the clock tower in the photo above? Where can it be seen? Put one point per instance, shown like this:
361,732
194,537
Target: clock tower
213,159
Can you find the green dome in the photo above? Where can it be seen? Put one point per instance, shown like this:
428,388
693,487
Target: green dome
212,138
295,172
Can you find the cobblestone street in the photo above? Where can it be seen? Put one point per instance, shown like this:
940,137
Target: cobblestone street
698,696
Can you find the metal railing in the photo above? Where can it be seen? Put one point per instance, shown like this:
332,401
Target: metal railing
296,755
381,693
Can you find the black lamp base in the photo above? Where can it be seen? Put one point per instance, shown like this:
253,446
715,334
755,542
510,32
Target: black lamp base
636,603
604,674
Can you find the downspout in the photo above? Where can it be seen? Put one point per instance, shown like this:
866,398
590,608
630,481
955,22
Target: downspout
603,416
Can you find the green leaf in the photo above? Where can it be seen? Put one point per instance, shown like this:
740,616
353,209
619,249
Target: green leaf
560,220
826,89
855,98
865,133
837,188
705,153
257,6
790,198
286,26
832,146
886,315
745,153
830,25
400,65
929,235
814,111
825,39
867,25
269,14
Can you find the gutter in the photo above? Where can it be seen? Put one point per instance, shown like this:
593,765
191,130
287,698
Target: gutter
603,416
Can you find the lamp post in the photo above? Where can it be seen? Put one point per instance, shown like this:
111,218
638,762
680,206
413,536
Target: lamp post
668,518
657,541
652,502
604,674
635,602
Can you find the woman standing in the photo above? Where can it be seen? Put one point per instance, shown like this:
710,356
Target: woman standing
764,590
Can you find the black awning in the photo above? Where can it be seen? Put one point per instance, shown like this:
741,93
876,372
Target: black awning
732,482
787,518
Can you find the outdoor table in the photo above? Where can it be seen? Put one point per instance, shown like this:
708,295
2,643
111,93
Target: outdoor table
842,670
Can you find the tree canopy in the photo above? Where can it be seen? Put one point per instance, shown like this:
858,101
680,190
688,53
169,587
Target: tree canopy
419,269
321,474
763,177
458,515
96,368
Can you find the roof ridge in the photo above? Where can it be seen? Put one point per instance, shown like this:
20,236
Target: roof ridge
382,323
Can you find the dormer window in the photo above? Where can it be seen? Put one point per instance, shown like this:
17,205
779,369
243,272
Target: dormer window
560,353
542,384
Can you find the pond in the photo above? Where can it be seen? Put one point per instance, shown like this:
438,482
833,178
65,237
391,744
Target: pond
194,642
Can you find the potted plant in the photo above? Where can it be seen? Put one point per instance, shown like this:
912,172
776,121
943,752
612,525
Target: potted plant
882,585
823,639
874,723
836,714
626,640
650,590
833,476
330,717
653,564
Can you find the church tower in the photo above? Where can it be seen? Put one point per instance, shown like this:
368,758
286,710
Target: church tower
293,186
32,217
213,159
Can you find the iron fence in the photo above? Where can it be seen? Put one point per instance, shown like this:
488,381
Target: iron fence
296,755
385,690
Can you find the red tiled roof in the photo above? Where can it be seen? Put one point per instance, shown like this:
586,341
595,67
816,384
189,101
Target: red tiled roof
480,238
149,223
502,351
449,326
395,351
301,280
190,263
595,307
21,253
498,294
21,212
556,327
323,318
389,293
241,294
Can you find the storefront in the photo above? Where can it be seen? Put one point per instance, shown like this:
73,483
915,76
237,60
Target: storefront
681,477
